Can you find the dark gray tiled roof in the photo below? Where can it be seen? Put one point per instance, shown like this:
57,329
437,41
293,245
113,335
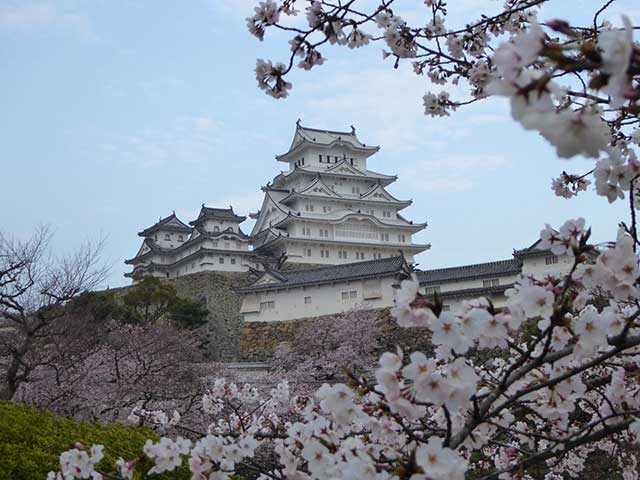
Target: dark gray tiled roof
479,270
333,273
222,213
475,292
531,250
171,223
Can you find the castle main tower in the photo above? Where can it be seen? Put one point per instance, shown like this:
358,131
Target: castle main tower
328,208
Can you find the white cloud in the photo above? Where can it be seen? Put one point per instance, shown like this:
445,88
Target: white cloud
29,16
188,139
387,104
451,174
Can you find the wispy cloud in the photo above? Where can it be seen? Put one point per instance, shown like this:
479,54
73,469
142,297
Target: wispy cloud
38,15
452,174
188,139
387,104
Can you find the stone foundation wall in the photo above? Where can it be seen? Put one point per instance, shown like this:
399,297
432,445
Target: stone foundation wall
259,340
224,324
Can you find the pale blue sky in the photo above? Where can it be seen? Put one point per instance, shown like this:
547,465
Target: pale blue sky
116,112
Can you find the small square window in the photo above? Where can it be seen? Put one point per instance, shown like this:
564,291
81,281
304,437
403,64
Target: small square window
221,260
307,300
345,295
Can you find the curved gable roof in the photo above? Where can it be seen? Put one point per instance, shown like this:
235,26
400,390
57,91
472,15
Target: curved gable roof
168,224
325,138
217,213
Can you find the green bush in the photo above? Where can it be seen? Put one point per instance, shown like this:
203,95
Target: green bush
31,441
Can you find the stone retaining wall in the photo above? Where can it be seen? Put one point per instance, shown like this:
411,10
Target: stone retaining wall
224,322
258,340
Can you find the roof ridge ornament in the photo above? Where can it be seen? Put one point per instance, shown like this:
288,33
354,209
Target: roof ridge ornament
353,130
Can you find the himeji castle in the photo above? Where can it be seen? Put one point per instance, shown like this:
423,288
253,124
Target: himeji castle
328,208
212,242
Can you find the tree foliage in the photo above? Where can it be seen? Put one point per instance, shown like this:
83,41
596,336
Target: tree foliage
151,299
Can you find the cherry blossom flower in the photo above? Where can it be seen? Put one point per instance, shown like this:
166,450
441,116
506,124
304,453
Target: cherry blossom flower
616,47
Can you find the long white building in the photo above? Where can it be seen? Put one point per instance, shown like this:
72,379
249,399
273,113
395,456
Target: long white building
212,242
330,289
296,294
456,284
328,208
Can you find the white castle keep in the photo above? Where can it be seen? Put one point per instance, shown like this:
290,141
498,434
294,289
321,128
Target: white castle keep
326,209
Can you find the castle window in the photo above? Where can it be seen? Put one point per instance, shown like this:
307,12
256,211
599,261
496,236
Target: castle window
221,260
233,261
326,209
402,238
180,238
351,160
302,161
324,233
494,282
342,254
308,252
308,207
307,300
320,156
324,253
551,260
227,245
238,245
355,189
369,212
155,238
384,237
215,243
270,305
353,294
345,295
306,231
446,308
216,229
193,265
386,213
167,236
360,255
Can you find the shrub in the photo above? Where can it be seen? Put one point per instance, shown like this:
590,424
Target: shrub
31,441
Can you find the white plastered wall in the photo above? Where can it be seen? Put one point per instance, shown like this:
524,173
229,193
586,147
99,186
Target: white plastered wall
326,299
